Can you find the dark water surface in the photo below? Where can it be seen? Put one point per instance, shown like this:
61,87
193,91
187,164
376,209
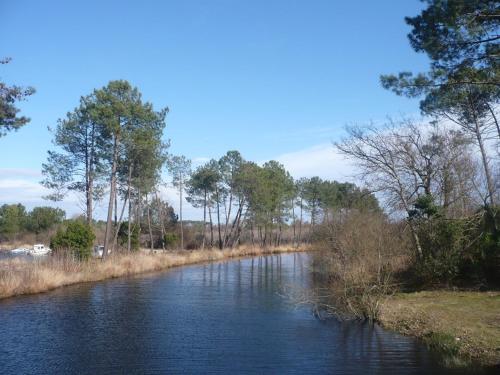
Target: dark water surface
228,317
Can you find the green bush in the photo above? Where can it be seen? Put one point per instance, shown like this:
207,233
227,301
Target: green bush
43,218
170,239
458,250
443,343
77,238
134,236
490,243
12,220
443,244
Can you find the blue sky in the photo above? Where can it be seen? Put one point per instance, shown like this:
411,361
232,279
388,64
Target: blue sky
273,79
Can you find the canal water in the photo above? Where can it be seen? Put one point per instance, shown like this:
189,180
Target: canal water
219,318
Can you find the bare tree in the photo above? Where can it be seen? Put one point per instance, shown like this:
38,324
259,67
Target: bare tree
394,162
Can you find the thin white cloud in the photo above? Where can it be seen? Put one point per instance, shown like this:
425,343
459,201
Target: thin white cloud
16,189
20,172
22,185
320,160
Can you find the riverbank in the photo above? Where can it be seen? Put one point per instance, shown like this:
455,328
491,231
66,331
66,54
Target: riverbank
465,326
20,276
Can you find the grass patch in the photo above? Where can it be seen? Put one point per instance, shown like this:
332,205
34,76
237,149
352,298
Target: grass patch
449,348
443,342
464,326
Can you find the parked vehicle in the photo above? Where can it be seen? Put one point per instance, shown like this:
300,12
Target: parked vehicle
39,249
36,250
20,251
98,250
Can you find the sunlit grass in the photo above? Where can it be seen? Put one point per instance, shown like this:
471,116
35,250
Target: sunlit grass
460,324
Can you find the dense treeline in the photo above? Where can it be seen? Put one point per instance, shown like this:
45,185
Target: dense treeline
243,201
112,144
16,221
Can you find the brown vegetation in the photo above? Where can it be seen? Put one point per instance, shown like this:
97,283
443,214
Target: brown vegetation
18,276
357,270
363,265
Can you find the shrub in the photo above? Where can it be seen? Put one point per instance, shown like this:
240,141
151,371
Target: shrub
134,236
77,238
359,253
12,220
459,250
43,218
171,240
443,244
490,243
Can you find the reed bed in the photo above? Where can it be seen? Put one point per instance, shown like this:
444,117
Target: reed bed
20,276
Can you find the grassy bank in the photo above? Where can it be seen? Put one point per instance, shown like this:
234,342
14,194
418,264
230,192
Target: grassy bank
19,276
465,326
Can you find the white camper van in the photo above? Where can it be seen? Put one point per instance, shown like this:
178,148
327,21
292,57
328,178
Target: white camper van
98,250
39,249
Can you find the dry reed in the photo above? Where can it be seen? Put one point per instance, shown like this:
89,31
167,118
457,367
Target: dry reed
20,276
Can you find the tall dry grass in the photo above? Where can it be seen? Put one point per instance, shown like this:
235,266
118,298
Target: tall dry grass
20,276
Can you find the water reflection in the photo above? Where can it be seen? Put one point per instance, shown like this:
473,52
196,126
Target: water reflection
226,317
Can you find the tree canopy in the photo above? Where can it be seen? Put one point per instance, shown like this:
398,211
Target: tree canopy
9,98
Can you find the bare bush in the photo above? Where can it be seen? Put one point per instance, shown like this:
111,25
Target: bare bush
358,257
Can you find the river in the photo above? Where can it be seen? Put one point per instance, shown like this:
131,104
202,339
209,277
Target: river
229,317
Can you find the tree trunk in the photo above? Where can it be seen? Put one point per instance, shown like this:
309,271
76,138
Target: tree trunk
90,192
90,208
161,219
89,173
238,229
279,235
416,239
411,223
234,225
204,219
211,227
127,198
218,218
312,218
149,224
226,240
300,223
251,233
139,211
180,212
294,241
116,209
119,224
112,194
88,189
484,157
129,234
